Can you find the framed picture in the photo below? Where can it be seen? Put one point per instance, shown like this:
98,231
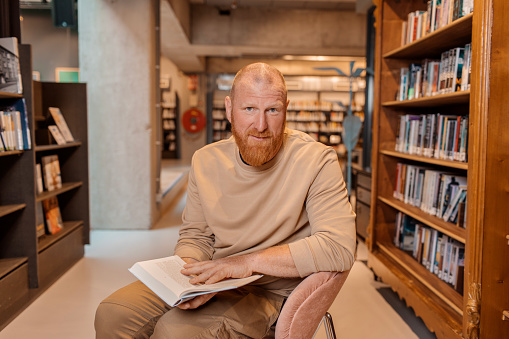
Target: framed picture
67,74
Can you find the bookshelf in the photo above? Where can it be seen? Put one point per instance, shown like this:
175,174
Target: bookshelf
476,308
30,264
170,126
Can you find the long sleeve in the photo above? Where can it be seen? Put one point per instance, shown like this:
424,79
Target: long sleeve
331,246
196,238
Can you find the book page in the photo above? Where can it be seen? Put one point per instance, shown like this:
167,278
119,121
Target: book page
172,268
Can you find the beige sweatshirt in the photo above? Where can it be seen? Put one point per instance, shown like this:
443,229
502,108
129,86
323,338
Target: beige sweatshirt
298,198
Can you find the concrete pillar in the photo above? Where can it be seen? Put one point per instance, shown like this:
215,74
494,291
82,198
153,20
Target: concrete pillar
117,50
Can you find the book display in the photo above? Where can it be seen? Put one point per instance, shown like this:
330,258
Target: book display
44,205
432,150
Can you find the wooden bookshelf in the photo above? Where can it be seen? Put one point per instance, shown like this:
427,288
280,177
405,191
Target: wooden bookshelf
8,209
29,265
477,310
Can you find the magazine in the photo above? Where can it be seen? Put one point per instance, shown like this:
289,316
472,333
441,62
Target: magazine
163,277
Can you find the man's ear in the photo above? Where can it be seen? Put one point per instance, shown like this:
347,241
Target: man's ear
287,103
228,107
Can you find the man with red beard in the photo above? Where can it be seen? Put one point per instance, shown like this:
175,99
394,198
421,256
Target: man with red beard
268,201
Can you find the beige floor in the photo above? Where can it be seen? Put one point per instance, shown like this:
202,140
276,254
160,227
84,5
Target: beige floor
66,309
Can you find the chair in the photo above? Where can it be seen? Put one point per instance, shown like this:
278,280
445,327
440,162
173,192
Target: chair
308,304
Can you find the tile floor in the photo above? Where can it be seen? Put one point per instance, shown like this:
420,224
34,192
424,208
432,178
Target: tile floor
364,308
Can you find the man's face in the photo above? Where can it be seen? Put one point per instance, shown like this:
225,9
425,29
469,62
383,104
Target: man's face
258,116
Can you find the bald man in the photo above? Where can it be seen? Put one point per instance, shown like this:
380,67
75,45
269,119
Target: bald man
269,201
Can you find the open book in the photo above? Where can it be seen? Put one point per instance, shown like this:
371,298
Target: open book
163,277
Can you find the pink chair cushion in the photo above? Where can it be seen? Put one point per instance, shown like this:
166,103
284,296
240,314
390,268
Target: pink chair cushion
308,303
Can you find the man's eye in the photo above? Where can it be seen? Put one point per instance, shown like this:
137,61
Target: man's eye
249,109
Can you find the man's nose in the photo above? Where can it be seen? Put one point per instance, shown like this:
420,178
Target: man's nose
261,122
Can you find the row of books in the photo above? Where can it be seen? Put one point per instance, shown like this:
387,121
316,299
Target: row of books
432,76
314,116
437,193
434,136
439,253
323,127
14,128
299,105
439,13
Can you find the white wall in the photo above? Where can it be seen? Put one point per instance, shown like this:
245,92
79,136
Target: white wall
117,61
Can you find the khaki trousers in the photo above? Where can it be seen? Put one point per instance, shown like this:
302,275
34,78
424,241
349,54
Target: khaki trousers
136,312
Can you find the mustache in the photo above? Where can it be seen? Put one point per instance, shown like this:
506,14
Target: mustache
265,134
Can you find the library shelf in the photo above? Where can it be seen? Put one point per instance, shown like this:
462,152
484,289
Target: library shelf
450,229
453,98
456,33
7,153
7,95
49,148
66,187
28,265
7,265
432,161
47,240
8,209
443,290
484,296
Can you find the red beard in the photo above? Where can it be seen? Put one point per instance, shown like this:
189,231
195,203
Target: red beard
257,152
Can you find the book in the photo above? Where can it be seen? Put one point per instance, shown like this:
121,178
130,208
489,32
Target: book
38,176
51,172
39,219
62,125
52,215
163,277
10,74
55,133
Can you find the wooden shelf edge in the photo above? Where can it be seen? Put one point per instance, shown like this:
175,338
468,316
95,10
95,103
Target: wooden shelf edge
441,162
435,100
7,265
439,224
48,240
463,24
8,209
428,279
68,186
7,153
438,316
45,148
9,95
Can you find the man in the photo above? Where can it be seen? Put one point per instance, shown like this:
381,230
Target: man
269,201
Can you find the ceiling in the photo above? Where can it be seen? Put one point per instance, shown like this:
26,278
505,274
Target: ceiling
199,34
294,4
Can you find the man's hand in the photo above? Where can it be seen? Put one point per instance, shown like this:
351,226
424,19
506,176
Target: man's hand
196,301
212,271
